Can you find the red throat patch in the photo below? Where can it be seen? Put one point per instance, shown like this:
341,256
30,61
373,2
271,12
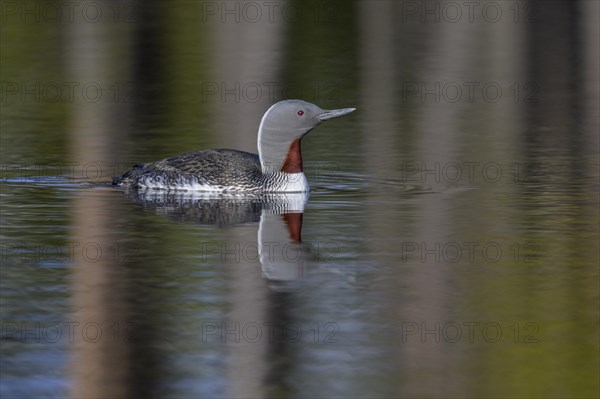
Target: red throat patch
293,160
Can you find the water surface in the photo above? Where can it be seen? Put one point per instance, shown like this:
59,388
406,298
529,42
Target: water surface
448,248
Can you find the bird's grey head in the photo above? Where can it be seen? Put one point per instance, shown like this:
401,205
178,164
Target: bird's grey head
281,129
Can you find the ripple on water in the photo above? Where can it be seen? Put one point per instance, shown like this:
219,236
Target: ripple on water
59,182
352,183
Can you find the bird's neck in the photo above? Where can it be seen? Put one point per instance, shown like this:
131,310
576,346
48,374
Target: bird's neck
277,153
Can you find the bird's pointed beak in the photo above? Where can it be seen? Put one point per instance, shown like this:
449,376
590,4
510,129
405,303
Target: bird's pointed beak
334,113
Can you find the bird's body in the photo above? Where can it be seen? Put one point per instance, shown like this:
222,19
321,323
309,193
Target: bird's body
219,170
277,167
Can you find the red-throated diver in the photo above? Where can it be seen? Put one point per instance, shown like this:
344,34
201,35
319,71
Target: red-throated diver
276,168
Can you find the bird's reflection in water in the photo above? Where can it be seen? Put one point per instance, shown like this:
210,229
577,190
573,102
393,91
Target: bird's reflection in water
272,306
281,253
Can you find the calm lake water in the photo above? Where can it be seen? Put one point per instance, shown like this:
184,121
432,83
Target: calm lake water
449,246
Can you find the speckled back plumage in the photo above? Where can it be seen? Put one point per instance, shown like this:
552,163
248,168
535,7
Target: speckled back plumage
215,168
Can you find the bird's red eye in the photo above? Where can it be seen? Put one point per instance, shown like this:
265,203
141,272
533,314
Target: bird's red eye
300,113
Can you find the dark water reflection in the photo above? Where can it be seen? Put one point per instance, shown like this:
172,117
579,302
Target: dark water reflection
449,247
